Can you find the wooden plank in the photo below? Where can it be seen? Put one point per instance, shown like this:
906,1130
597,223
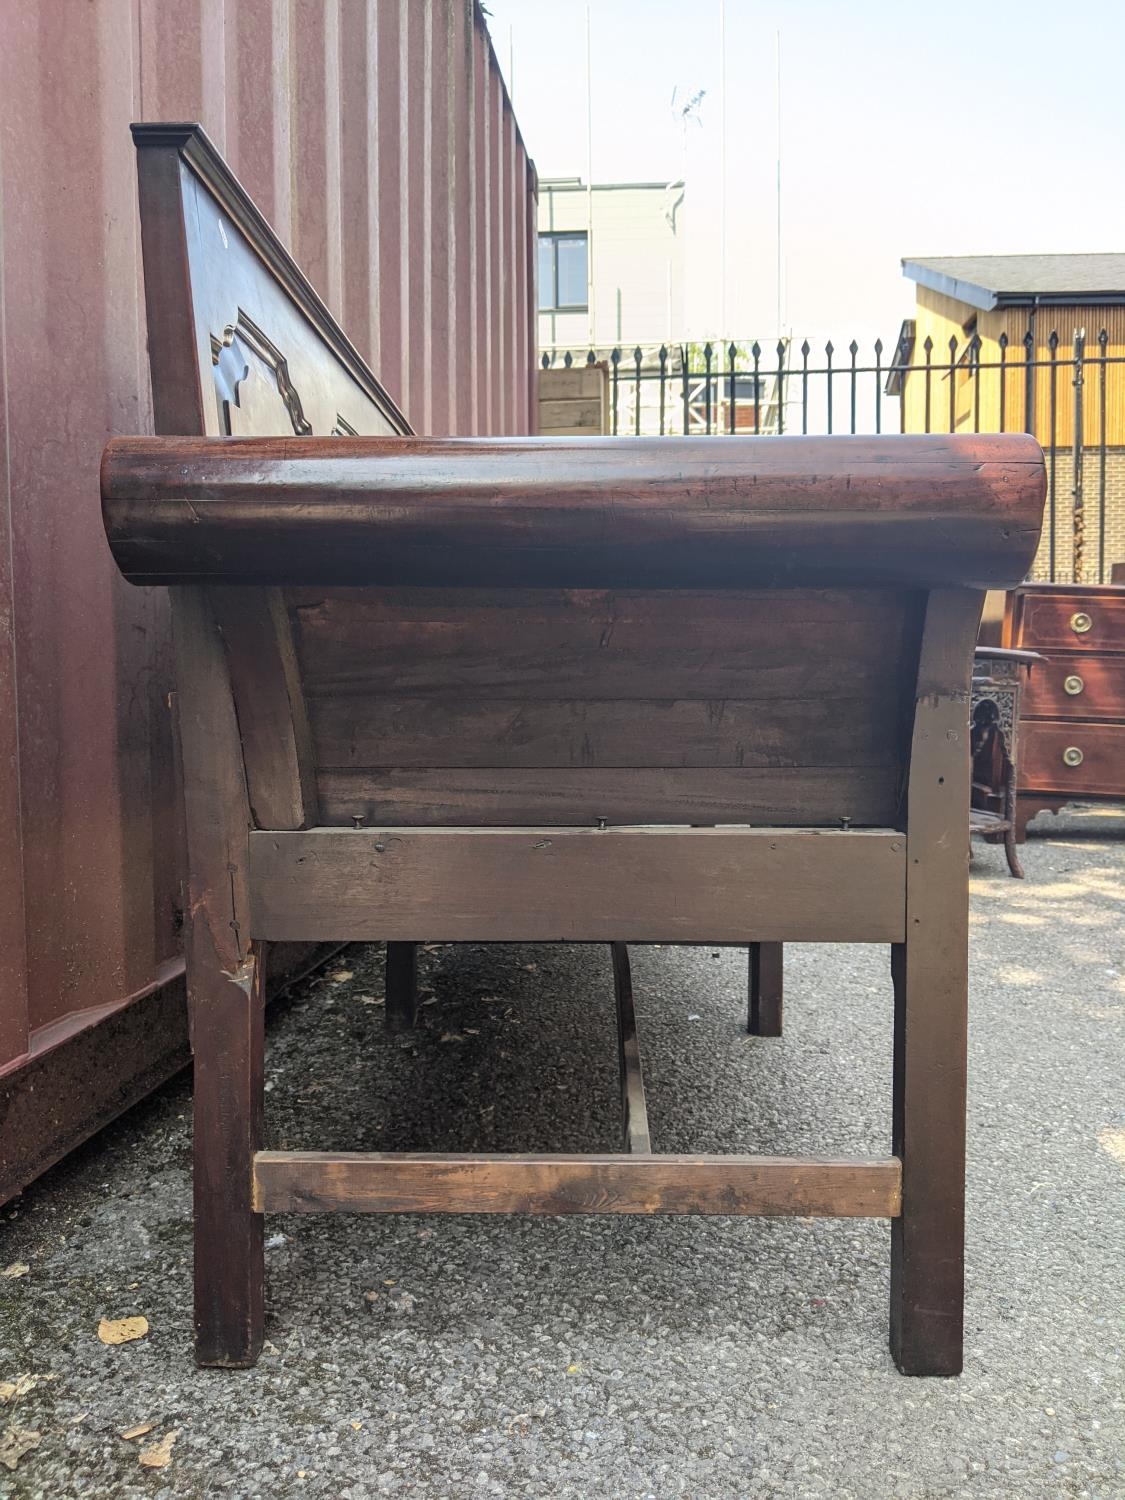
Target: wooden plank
923,511
413,733
567,385
583,414
751,644
579,884
502,796
273,724
930,972
634,1111
358,1182
177,397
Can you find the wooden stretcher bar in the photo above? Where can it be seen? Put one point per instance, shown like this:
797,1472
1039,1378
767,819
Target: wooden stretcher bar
413,1182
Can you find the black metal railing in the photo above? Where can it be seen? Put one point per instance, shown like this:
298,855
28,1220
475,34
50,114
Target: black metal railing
1067,393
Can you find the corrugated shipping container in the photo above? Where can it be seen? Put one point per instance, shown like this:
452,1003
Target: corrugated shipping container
378,138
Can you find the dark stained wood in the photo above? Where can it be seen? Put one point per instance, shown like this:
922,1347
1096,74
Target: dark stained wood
930,973
766,989
818,796
193,204
177,397
999,679
1100,689
272,721
593,512
530,644
1050,615
401,987
1045,767
1072,730
579,884
634,1112
413,733
422,702
409,1182
227,1030
225,978
217,813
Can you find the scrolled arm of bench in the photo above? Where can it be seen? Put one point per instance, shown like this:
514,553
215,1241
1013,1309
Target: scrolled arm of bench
614,512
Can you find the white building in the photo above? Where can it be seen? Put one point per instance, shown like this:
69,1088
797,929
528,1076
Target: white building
611,264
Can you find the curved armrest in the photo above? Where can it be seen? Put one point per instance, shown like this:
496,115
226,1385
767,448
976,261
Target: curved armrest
563,512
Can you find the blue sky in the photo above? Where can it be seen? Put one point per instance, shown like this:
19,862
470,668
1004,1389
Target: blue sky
948,129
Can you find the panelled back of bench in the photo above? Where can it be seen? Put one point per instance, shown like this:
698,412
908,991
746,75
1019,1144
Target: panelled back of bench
246,348
496,707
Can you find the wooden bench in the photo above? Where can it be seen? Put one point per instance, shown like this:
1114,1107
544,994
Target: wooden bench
602,690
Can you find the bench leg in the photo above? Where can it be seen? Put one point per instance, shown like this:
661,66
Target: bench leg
766,964
401,986
927,1240
1014,866
227,1033
634,1110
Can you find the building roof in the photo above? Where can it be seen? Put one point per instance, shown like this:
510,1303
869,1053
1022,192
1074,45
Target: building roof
576,185
988,281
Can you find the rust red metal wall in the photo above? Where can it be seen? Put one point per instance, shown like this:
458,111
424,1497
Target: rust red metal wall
377,137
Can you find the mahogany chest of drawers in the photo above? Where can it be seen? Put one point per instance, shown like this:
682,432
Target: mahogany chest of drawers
1072,722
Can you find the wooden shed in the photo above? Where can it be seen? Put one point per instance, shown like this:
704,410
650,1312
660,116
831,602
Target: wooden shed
1029,343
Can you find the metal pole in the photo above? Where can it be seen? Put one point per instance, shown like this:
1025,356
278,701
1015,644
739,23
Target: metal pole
779,306
1076,453
722,168
589,187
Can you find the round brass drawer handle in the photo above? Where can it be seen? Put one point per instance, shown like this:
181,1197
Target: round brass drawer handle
1073,685
1072,756
1080,622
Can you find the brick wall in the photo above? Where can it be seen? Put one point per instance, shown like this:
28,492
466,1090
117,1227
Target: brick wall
1064,513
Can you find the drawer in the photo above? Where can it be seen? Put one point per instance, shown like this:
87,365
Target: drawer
1099,748
1076,687
1073,622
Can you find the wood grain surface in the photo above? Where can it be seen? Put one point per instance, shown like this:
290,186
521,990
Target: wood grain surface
578,884
312,1181
576,512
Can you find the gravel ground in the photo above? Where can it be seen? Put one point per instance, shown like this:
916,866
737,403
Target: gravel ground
709,1358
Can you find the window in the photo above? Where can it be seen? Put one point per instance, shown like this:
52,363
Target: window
746,388
562,273
969,358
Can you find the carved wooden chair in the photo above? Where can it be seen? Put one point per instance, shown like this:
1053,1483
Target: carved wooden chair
604,690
